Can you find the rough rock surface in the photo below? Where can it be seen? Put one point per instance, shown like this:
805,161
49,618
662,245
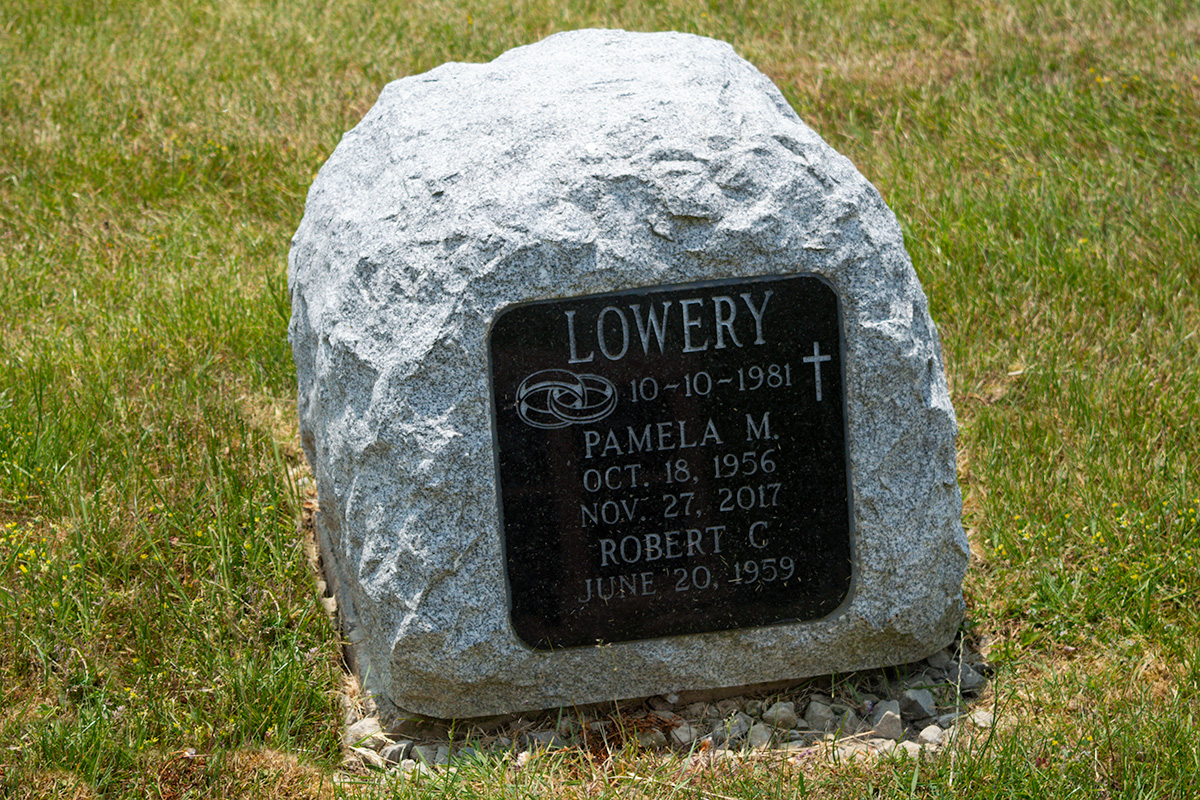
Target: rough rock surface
918,703
781,715
889,725
591,161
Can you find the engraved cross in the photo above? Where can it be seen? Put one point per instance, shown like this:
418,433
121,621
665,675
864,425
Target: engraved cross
815,359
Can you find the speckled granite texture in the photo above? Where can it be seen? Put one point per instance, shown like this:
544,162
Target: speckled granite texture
589,162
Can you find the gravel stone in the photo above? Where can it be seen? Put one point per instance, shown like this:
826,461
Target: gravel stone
982,718
848,723
884,746
683,734
781,715
800,744
737,726
931,735
852,751
889,725
880,733
922,678
819,716
728,706
366,733
567,727
653,739
805,738
414,767
759,736
599,725
881,708
947,720
431,754
661,703
396,753
370,757
917,704
964,677
940,660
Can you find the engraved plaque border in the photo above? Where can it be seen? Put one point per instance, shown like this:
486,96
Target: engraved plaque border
576,388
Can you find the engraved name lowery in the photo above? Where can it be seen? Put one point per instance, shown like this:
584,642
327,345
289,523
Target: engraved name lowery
672,460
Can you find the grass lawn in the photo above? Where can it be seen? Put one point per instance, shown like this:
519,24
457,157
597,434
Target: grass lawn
1043,159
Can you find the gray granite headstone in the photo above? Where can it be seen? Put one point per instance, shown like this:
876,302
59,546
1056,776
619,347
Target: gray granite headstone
616,380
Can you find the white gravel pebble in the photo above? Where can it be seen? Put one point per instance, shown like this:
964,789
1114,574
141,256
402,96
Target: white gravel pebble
931,735
982,718
370,757
366,734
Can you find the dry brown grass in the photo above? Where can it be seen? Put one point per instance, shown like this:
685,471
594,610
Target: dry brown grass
55,783
272,774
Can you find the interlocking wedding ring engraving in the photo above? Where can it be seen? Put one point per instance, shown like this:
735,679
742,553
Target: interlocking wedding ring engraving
556,398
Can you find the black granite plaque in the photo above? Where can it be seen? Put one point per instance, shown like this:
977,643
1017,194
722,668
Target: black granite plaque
672,460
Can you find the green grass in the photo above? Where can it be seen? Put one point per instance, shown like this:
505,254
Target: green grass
1043,159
